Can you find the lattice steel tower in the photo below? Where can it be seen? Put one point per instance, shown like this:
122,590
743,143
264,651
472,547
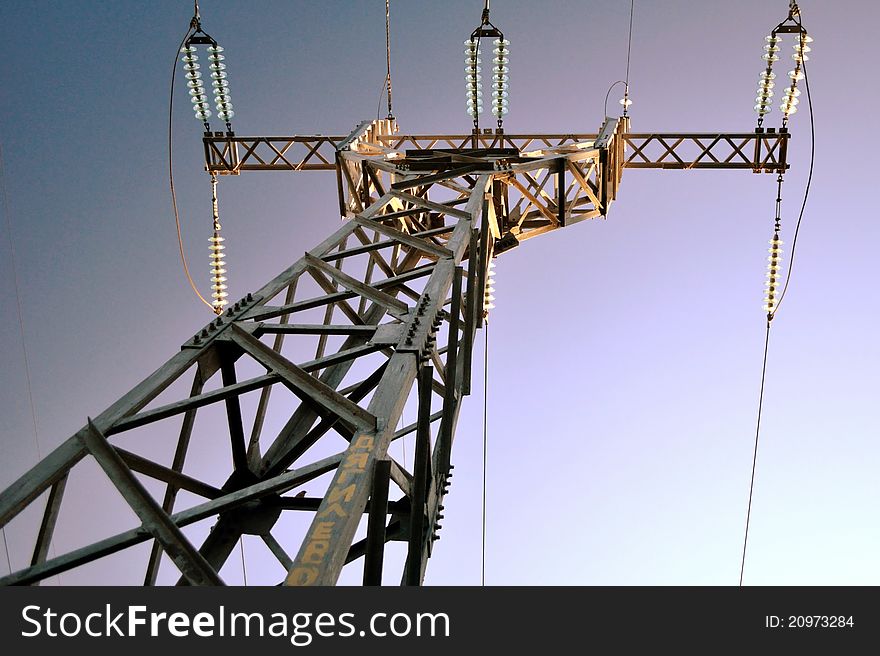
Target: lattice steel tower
387,306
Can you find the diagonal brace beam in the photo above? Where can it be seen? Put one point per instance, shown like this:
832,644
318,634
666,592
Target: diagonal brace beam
302,382
190,562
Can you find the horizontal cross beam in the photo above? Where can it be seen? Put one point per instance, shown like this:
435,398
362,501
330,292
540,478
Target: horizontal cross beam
757,151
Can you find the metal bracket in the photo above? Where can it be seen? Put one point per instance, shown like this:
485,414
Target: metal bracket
420,335
223,321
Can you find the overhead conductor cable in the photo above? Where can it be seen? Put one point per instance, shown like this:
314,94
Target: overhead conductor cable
772,294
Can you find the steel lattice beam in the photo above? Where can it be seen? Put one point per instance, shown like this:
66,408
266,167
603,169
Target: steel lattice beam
758,151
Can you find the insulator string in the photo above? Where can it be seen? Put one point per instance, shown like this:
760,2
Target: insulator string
473,80
186,272
500,74
199,98
797,227
388,55
500,79
773,297
222,98
766,78
489,290
216,247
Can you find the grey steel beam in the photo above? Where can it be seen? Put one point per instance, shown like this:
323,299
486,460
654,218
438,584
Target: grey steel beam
168,475
254,454
421,481
299,443
228,391
375,554
764,150
452,393
277,550
57,463
301,382
47,525
238,445
203,372
275,485
191,564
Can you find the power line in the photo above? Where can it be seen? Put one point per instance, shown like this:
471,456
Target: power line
27,367
243,566
632,8
755,454
485,443
6,547
795,15
608,94
626,101
16,282
797,227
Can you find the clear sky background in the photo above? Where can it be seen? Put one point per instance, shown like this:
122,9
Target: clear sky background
624,354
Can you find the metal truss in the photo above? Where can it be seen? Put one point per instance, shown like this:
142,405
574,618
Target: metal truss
384,310
760,151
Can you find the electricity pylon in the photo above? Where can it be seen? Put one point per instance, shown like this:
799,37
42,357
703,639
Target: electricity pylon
385,307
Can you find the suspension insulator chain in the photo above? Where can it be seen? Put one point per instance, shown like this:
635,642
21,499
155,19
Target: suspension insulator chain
222,99
500,72
198,97
489,290
790,101
500,79
473,79
218,264
764,99
771,293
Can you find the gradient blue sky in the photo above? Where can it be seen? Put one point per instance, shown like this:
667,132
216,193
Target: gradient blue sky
624,354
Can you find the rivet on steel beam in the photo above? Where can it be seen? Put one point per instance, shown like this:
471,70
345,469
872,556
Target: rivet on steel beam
204,332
